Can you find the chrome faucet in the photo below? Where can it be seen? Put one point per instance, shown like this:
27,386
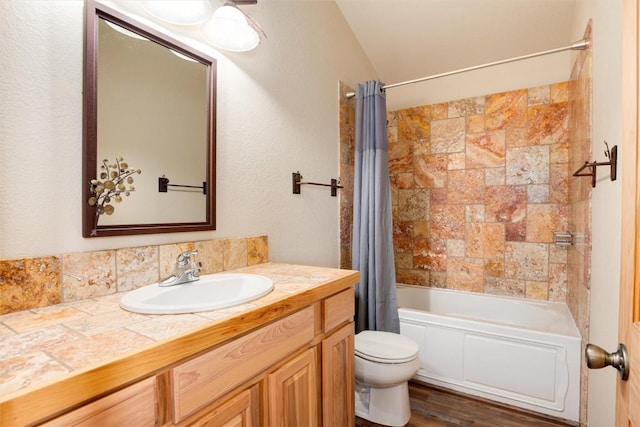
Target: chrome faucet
186,270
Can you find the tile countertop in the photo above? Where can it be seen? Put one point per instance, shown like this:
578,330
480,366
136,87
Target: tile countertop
46,345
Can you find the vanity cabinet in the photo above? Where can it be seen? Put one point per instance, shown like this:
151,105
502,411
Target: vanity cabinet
296,370
242,410
312,387
338,405
293,396
133,405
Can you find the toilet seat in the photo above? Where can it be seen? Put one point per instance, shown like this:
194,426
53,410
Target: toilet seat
385,347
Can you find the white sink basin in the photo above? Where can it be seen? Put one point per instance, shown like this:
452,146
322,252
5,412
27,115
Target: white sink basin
211,292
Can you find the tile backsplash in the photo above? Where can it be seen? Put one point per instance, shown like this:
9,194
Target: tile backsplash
42,281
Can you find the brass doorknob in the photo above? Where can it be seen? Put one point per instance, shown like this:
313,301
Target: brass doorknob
598,358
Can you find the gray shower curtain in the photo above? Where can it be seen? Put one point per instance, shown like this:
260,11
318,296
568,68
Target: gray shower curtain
372,244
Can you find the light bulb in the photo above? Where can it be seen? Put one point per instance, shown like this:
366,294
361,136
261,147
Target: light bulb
228,30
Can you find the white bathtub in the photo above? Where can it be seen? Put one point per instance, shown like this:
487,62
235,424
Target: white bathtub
520,352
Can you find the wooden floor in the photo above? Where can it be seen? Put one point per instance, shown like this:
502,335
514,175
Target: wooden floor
435,407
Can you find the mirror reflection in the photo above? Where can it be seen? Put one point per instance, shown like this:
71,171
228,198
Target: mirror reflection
153,115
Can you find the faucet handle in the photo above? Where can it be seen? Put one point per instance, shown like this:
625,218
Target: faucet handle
185,257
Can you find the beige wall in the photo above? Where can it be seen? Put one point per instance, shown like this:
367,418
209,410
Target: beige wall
277,113
606,197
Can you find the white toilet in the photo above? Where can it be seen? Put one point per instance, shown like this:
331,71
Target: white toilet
384,362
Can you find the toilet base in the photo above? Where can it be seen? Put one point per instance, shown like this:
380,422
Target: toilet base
387,406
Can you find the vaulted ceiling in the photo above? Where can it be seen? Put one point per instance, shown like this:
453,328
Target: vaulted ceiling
409,39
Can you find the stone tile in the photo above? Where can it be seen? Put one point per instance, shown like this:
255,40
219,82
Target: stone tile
495,176
168,325
540,95
558,277
475,124
548,124
392,117
543,220
257,250
105,322
485,149
403,180
485,240
526,261
504,287
413,205
392,134
414,123
430,171
29,282
27,320
456,161
506,203
39,339
438,196
537,290
516,137
413,277
559,92
137,267
474,213
516,231
506,110
557,254
538,193
494,268
211,255
456,248
88,274
447,221
421,230
400,157
559,184
168,255
466,187
559,153
465,274
404,261
439,111
97,348
438,279
528,165
403,237
466,107
448,136
235,253
21,371
430,254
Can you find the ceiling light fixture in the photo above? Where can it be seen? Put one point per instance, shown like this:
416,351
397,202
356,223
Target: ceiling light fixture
232,29
179,12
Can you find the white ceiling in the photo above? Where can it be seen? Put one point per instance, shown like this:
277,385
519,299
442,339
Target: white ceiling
409,39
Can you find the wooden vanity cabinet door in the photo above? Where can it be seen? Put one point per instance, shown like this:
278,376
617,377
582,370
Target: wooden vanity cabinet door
293,395
131,406
242,410
338,379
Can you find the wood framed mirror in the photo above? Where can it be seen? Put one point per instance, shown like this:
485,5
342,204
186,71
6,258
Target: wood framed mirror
149,130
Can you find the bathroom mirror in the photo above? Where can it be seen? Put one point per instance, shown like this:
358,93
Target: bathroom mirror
149,121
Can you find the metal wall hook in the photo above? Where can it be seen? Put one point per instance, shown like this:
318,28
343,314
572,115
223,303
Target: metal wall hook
163,184
296,178
612,155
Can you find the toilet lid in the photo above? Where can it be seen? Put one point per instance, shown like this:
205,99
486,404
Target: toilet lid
385,347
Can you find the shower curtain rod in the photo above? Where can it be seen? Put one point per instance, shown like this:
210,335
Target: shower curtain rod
579,45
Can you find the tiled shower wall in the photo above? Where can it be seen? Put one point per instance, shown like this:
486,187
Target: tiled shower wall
579,254
479,186
42,281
